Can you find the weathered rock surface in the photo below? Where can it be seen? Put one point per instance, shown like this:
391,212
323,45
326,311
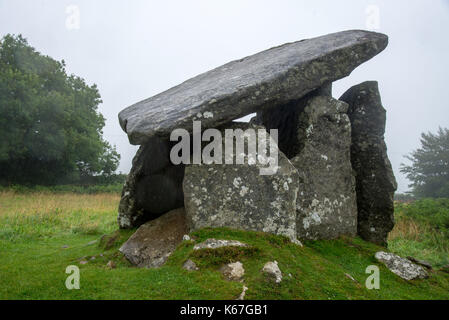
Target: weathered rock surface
375,182
404,268
267,79
153,187
272,270
326,202
286,119
233,271
238,196
154,241
424,263
215,244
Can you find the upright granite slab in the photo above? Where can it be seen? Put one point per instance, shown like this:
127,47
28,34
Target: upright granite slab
153,187
375,181
286,120
237,196
326,202
267,79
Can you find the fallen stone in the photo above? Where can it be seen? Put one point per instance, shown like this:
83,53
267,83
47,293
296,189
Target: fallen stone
215,244
423,263
186,237
153,186
267,79
238,196
326,201
83,262
111,265
153,242
242,295
375,182
404,268
272,270
350,277
189,265
233,271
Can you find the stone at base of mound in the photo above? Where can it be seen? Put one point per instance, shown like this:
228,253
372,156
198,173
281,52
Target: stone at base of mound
154,241
402,267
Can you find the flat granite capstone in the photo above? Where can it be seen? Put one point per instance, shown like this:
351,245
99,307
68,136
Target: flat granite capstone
264,80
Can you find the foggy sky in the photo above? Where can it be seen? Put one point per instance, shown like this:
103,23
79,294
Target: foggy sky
135,49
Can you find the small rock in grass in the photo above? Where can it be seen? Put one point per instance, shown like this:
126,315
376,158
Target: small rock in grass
445,268
297,242
233,271
242,295
65,246
404,268
110,264
190,265
92,258
272,269
215,244
423,263
83,262
186,237
350,277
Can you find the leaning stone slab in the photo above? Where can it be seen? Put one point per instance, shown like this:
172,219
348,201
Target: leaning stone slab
153,242
267,79
153,186
404,268
326,202
375,182
238,196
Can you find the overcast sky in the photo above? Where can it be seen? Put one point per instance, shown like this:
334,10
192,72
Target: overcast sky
135,49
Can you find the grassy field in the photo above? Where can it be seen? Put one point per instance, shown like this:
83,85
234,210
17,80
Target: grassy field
43,233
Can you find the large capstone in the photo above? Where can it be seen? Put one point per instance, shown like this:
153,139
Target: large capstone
153,187
267,79
375,182
326,202
238,196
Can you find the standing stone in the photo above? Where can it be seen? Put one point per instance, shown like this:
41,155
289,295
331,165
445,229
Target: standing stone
238,196
375,182
153,242
153,187
404,268
326,202
286,120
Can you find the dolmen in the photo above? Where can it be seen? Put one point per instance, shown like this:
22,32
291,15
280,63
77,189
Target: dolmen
308,166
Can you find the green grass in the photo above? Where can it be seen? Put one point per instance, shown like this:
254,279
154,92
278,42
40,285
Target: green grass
422,231
39,226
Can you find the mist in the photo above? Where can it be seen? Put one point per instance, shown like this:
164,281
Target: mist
134,50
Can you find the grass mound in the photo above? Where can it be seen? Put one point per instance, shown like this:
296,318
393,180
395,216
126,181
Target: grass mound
40,243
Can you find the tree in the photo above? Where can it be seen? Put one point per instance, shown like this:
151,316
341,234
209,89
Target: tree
50,127
429,169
